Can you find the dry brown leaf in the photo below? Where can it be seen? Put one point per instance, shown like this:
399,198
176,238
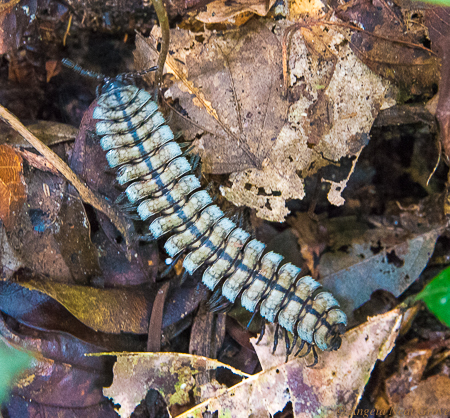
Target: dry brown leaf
12,185
299,9
392,42
50,133
53,68
411,366
438,22
9,259
430,398
220,11
239,76
312,238
332,387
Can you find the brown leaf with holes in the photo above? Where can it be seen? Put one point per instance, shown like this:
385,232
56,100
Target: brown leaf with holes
249,111
12,185
232,86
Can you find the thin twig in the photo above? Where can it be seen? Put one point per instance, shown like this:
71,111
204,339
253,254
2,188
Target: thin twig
86,194
397,41
437,163
165,38
66,34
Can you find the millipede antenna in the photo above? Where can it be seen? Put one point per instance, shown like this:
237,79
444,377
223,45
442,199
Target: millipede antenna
82,71
141,73
92,74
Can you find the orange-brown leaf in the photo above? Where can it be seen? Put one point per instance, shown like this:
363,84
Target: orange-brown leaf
53,67
12,185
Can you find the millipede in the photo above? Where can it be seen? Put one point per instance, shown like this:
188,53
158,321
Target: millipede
160,185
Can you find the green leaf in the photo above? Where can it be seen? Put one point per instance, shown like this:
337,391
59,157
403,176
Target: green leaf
439,2
12,363
436,295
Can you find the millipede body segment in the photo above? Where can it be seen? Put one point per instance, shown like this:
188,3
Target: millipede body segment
160,182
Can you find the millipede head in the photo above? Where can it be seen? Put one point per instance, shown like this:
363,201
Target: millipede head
334,338
328,335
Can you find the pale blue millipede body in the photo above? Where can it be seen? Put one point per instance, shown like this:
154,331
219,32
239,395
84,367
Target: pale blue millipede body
159,181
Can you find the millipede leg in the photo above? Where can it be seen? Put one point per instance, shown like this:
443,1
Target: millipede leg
294,343
261,334
147,238
252,318
194,162
316,358
133,217
307,351
275,339
184,277
121,198
288,346
300,348
171,266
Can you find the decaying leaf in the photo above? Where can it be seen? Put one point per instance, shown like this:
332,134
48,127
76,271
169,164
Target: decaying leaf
248,108
218,11
336,188
412,364
50,133
392,43
379,259
107,310
312,238
61,380
332,387
9,260
171,374
299,9
438,23
12,185
15,20
430,398
51,234
232,86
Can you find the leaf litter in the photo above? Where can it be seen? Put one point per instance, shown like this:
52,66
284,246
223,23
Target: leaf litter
267,392
217,11
172,374
61,380
315,132
379,259
232,86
